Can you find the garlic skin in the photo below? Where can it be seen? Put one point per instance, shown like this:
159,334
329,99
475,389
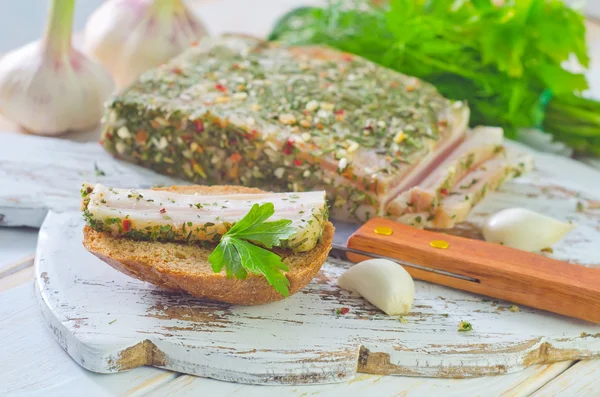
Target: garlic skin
131,36
524,229
47,87
384,283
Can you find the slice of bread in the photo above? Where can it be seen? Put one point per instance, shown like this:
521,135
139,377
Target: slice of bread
185,267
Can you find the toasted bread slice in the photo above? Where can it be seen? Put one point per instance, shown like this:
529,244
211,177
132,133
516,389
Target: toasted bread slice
185,267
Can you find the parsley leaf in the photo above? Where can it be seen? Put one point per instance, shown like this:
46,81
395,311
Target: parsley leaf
239,253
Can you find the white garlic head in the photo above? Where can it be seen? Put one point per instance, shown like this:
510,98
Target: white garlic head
47,86
131,36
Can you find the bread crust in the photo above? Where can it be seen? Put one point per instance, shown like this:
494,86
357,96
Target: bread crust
182,267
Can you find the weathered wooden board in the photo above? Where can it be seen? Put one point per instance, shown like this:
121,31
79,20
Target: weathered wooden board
581,380
38,174
519,384
109,322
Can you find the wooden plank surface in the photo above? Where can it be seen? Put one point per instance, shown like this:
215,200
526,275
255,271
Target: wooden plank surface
40,173
514,385
13,242
580,380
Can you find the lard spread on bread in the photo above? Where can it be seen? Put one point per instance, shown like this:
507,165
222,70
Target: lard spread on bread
168,216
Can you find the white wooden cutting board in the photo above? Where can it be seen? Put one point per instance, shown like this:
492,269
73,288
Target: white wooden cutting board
109,322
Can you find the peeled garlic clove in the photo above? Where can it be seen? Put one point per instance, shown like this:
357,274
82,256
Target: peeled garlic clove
524,229
47,86
129,37
385,284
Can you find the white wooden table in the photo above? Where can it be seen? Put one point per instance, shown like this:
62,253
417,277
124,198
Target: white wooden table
32,363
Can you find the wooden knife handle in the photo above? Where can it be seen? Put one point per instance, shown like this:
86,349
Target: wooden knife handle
505,273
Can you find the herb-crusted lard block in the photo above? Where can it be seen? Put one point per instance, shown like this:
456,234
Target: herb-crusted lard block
238,110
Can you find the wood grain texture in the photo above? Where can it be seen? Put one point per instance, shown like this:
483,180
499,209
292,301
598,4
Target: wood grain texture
502,272
519,384
107,321
581,380
33,364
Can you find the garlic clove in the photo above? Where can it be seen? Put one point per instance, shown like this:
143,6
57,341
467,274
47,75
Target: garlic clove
384,283
130,37
524,229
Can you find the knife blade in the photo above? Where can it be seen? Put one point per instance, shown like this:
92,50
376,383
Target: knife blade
339,251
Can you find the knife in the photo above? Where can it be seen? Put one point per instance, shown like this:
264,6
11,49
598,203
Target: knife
477,266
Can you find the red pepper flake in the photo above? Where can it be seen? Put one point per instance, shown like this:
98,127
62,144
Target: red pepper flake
101,141
194,43
235,66
199,125
444,191
339,112
126,225
443,123
287,148
236,157
344,310
176,70
347,57
394,84
162,210
221,87
251,135
298,162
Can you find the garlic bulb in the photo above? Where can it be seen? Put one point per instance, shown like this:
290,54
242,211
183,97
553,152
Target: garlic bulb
384,283
131,36
48,87
524,229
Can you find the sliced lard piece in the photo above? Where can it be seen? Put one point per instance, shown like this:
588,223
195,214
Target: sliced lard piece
363,190
481,144
471,189
162,215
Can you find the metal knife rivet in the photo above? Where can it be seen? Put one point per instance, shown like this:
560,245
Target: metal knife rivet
384,231
441,244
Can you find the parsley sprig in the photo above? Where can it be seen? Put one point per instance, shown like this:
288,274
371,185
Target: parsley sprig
241,249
